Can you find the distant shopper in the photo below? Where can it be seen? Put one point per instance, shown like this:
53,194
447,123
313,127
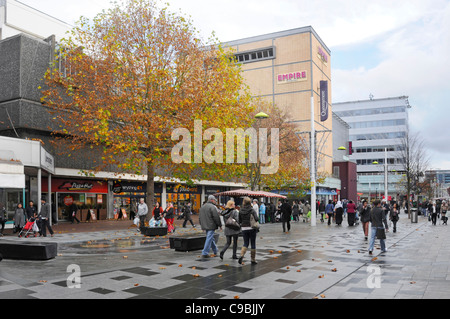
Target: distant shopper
187,215
378,219
169,216
31,211
2,218
339,212
394,216
365,218
209,221
433,211
248,233
231,234
73,212
351,213
19,218
262,213
43,217
142,211
295,211
286,212
157,212
322,210
329,210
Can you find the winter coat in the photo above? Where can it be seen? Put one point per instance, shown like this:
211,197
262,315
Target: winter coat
244,216
286,212
365,214
230,213
19,218
209,217
378,217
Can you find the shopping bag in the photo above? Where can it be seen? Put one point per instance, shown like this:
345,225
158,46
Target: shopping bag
136,221
35,227
381,234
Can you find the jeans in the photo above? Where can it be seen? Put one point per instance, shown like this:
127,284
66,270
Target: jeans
209,243
262,218
373,235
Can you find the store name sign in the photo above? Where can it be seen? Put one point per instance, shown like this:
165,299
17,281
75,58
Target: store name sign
291,77
322,55
74,186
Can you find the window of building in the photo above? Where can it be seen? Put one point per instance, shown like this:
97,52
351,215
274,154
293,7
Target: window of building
255,56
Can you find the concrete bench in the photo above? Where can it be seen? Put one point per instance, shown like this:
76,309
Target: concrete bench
189,243
28,251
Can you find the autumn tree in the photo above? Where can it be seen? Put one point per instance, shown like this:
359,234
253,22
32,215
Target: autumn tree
133,75
291,172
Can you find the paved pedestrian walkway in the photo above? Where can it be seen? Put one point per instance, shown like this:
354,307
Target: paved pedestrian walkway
322,262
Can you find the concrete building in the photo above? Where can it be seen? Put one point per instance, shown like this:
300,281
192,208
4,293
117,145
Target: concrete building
287,68
377,127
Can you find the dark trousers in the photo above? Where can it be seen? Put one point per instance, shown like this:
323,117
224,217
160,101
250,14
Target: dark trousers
3,227
249,237
228,243
433,218
288,222
187,217
44,224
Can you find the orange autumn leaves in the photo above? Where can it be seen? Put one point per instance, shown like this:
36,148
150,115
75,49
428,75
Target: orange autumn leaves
124,81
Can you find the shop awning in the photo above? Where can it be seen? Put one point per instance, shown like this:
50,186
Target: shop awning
249,193
11,174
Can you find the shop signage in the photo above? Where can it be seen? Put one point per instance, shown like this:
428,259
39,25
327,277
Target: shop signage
68,200
183,189
60,185
291,77
47,161
323,56
133,187
323,101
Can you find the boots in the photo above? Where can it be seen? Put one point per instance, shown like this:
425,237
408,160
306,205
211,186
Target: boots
243,251
253,255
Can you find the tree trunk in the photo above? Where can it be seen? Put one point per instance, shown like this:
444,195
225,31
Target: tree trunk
150,188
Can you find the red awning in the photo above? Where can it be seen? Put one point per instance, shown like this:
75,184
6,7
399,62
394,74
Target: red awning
249,193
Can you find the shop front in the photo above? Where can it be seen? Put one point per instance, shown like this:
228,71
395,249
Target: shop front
90,197
127,195
180,194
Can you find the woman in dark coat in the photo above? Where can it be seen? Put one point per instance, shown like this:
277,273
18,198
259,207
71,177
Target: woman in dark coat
230,234
365,218
339,211
248,233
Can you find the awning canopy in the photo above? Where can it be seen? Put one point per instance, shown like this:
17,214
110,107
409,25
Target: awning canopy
249,193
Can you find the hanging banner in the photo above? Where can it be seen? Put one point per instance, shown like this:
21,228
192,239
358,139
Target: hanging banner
323,101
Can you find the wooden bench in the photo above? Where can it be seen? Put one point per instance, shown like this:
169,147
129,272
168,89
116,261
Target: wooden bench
28,251
189,243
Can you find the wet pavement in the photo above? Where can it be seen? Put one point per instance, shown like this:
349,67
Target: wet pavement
323,262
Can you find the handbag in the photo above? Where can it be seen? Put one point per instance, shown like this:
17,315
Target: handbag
253,223
381,234
232,224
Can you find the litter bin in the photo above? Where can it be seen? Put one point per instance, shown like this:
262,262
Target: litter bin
414,215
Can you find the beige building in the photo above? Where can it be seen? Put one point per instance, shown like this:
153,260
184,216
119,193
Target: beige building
286,68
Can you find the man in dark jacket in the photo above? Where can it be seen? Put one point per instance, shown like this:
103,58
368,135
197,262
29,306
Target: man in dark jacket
44,216
286,212
209,221
377,218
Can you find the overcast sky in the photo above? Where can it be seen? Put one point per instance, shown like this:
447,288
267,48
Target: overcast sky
385,48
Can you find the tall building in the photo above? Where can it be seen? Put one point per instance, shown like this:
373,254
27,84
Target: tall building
287,69
377,127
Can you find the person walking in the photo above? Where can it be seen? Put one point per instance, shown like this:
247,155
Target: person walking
444,208
209,221
187,215
322,210
230,234
142,211
339,212
433,211
286,212
19,218
248,233
73,212
351,213
295,211
44,215
378,219
394,216
271,212
157,212
365,218
31,211
329,209
169,216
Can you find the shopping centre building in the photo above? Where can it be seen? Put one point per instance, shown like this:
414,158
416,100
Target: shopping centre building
292,70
